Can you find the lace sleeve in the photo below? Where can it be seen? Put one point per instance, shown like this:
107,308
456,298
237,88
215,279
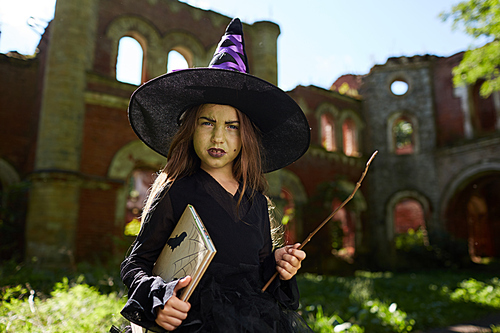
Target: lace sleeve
286,292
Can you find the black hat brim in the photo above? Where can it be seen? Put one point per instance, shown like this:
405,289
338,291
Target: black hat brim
156,106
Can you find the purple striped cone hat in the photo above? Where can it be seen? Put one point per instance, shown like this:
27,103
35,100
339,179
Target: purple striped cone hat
155,107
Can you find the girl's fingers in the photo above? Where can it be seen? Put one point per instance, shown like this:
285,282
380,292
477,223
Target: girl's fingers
173,313
294,257
170,318
169,325
283,273
286,270
289,261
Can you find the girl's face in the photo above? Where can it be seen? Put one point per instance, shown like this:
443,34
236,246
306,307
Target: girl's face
216,138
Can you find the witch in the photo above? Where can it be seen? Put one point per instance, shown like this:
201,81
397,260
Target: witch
221,129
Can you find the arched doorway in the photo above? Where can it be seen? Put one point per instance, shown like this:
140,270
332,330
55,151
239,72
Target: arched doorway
139,183
343,232
409,223
408,214
406,210
288,195
135,165
473,214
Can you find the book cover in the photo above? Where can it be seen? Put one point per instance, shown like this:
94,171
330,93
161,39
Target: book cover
188,251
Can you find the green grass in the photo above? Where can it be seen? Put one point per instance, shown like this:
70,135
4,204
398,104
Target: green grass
36,300
386,302
76,308
90,300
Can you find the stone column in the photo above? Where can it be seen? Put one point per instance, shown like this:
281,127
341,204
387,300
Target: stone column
264,50
54,197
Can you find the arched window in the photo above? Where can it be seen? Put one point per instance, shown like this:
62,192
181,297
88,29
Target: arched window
328,132
403,136
176,61
138,186
350,142
130,61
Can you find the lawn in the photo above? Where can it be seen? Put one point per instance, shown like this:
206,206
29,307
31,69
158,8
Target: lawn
403,302
90,300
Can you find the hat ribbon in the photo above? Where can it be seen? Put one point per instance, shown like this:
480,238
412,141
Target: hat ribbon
235,51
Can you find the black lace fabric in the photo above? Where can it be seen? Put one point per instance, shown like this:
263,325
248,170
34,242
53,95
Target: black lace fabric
230,300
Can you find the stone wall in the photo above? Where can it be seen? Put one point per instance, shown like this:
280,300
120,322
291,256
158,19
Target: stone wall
64,129
75,207
393,173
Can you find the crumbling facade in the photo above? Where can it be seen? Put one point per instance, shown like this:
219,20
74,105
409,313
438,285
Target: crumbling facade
73,175
451,170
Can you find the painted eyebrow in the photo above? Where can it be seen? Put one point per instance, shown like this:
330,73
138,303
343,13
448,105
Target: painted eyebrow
227,122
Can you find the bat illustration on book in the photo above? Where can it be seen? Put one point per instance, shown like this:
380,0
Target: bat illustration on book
174,242
194,253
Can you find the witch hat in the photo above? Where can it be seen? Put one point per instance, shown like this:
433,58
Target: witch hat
155,107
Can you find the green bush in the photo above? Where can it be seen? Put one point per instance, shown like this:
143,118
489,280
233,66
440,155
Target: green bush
70,308
410,239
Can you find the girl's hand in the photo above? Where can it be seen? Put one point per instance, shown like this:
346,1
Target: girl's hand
174,311
288,260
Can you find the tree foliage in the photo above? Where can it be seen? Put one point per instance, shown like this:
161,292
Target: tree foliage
480,19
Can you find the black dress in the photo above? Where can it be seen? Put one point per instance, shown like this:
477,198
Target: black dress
228,297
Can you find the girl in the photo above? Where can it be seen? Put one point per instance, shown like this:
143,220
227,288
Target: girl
220,129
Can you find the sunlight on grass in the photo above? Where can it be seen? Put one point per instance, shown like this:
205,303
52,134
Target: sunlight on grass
390,302
75,308
366,302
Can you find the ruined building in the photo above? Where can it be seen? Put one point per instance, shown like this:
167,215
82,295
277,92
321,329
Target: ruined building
73,175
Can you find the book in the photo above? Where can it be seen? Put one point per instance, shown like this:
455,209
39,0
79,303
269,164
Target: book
188,251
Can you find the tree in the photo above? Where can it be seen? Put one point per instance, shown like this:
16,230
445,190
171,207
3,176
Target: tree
480,18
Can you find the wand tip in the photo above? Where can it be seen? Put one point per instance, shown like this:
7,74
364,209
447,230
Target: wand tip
371,158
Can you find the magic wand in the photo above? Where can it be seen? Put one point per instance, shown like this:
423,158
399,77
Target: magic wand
358,184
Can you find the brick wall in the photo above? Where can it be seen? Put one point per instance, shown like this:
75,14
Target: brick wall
106,130
19,102
97,230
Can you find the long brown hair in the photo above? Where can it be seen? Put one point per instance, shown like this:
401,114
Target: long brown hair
182,160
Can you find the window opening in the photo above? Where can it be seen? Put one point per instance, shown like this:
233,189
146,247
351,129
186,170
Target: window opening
328,132
349,134
399,88
484,116
403,137
176,61
129,62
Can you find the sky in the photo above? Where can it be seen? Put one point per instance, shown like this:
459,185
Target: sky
320,40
